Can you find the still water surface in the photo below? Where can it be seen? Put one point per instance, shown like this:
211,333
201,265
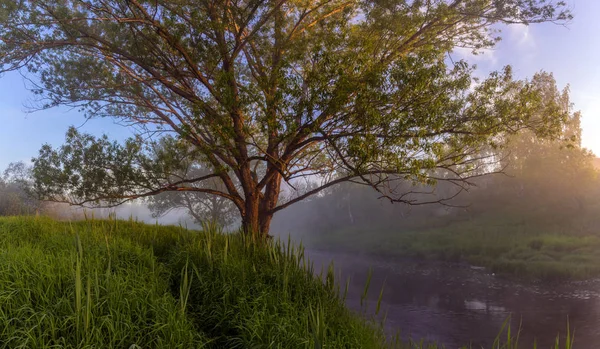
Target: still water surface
456,304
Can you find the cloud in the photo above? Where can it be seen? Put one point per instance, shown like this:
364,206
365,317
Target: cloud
518,41
518,47
520,34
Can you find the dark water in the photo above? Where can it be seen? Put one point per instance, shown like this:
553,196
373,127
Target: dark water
457,304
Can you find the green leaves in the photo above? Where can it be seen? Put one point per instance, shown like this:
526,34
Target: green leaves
87,168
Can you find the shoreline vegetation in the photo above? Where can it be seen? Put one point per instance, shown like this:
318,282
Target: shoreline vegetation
513,247
124,284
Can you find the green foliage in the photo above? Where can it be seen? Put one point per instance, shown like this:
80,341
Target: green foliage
86,164
90,171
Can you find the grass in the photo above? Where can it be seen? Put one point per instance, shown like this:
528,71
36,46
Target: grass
522,248
123,284
65,286
119,284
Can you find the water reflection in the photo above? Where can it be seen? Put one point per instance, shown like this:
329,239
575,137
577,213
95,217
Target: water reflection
484,306
456,304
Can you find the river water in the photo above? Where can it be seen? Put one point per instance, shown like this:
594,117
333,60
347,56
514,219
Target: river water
457,304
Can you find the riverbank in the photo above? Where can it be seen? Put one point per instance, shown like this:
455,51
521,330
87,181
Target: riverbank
517,248
123,284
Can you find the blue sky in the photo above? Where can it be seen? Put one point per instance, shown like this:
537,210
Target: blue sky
571,53
22,132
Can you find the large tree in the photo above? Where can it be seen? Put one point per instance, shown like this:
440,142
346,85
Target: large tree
269,91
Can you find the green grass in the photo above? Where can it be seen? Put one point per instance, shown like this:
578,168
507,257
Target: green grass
118,284
101,290
123,284
529,249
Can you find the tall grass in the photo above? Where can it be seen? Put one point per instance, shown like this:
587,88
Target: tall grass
123,284
118,284
61,288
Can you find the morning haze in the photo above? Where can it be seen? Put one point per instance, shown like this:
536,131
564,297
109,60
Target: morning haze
299,174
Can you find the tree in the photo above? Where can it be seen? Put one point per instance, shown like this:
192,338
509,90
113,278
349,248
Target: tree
202,207
14,195
544,183
557,172
267,92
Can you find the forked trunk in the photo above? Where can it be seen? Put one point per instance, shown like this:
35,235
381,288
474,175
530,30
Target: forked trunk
258,213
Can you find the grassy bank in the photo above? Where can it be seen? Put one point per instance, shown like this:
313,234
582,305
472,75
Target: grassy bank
116,284
507,245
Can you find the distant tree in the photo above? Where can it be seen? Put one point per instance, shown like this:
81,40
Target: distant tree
201,206
555,166
267,92
550,174
15,198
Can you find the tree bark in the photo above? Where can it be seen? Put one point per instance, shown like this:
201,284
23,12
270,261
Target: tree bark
250,224
256,222
258,213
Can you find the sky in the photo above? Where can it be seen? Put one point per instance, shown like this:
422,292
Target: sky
571,53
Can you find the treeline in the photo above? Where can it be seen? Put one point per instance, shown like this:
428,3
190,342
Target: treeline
559,187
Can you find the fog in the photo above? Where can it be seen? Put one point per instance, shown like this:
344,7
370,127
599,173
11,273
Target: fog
133,210
455,273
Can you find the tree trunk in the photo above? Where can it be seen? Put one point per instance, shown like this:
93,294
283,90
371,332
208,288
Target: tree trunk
269,202
256,222
264,221
250,216
258,213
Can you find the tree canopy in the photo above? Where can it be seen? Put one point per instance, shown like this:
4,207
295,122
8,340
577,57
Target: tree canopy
262,93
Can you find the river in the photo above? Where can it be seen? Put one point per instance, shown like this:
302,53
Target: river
457,304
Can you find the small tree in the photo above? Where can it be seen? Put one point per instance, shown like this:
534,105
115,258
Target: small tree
267,92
